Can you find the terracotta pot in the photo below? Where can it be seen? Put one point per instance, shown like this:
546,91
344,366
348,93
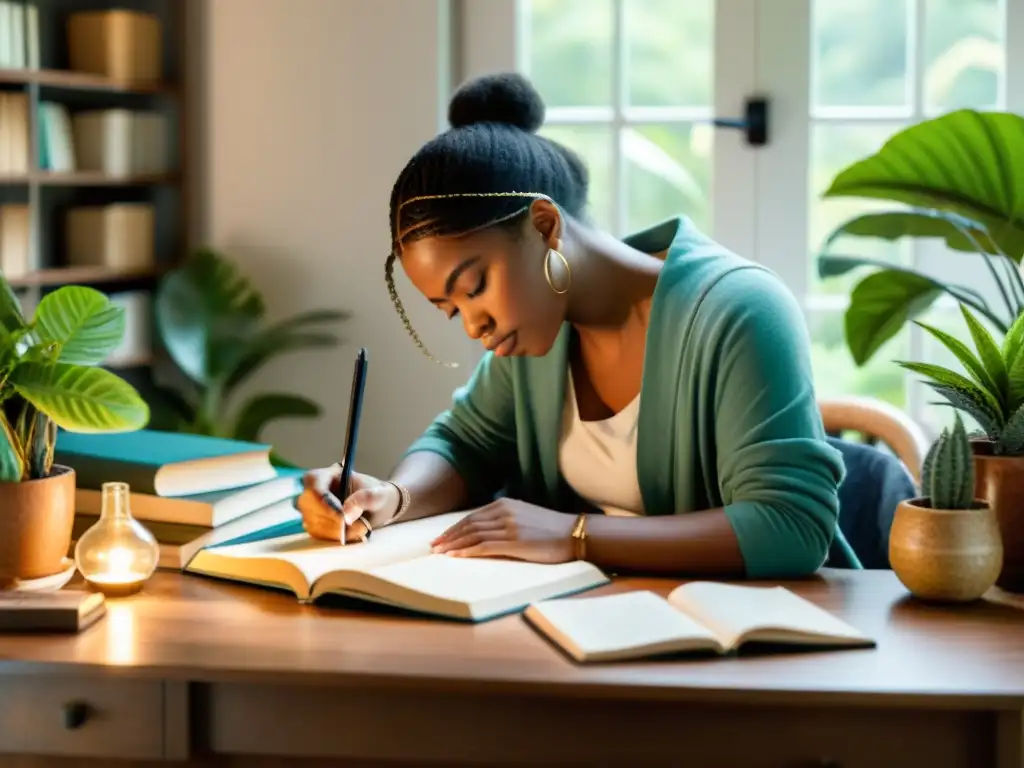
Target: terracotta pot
1000,482
36,517
945,555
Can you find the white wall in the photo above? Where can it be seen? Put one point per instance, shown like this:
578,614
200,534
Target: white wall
306,119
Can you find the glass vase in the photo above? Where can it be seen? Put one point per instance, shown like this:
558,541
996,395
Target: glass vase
117,554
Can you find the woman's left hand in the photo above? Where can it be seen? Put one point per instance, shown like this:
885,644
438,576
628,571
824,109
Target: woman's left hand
510,528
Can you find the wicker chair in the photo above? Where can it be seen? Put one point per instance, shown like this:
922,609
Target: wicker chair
876,421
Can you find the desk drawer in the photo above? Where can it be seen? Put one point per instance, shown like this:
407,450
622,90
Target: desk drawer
83,716
449,728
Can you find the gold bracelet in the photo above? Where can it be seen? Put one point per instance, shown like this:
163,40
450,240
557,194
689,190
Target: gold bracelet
579,536
403,500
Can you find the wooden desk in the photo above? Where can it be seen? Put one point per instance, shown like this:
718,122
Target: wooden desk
222,674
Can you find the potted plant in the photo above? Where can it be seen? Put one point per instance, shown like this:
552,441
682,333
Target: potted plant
212,322
952,177
992,394
48,379
945,545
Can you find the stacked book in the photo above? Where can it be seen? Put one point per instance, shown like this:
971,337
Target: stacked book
189,491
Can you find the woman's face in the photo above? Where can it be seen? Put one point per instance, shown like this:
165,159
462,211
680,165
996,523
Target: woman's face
494,282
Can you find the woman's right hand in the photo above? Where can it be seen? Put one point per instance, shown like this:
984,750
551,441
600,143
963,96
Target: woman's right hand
367,497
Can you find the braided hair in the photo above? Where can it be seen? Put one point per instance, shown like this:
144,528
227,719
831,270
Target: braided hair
482,172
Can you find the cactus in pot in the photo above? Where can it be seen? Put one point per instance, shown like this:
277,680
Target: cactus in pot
945,546
947,475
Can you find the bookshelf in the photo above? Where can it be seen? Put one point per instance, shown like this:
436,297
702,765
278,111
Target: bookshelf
40,70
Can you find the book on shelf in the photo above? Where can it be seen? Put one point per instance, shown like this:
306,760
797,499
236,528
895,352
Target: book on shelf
699,616
15,240
56,138
14,133
19,35
395,567
121,142
179,542
167,464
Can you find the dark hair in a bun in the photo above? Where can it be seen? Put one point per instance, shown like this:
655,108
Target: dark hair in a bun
483,170
506,98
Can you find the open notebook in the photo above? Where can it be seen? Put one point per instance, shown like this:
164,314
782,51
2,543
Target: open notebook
698,616
395,567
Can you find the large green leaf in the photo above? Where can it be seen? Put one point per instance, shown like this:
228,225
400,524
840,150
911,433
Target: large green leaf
203,307
81,399
262,409
881,304
82,322
961,233
12,466
834,265
966,162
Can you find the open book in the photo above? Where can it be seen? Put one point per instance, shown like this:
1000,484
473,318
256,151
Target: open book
698,616
395,567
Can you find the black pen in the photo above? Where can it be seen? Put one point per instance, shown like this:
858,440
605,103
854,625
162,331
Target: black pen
355,412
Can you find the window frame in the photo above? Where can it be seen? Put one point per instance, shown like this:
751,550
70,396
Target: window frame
760,197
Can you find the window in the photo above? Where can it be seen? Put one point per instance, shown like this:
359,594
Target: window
633,85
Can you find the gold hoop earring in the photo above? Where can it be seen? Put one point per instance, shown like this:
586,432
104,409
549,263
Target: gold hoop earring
547,271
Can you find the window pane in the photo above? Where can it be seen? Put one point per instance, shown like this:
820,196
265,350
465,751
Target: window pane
668,172
570,51
669,58
835,372
964,54
934,417
860,53
593,143
833,147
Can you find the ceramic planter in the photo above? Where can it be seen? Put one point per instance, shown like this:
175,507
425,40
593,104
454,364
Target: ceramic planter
945,555
36,518
1000,481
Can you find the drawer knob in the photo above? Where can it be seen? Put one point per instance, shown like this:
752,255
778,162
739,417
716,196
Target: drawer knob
75,714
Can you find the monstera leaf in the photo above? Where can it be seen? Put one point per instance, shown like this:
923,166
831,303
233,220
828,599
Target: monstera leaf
966,162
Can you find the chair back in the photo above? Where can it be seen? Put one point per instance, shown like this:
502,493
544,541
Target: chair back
874,485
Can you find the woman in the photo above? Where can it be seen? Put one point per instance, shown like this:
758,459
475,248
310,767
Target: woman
644,404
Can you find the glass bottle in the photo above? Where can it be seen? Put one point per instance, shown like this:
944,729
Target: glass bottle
117,554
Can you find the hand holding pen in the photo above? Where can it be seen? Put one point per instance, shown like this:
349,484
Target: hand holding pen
339,479
328,513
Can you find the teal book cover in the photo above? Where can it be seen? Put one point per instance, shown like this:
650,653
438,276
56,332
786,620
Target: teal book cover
141,459
147,446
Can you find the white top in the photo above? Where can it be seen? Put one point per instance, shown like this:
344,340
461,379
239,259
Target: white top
598,458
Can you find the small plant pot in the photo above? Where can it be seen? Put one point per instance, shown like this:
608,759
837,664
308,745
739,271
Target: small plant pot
36,519
1000,481
945,555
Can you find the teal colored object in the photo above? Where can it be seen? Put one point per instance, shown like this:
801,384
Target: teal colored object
728,414
152,448
135,457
